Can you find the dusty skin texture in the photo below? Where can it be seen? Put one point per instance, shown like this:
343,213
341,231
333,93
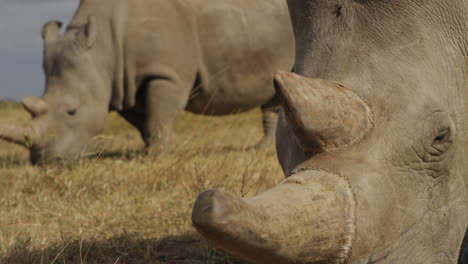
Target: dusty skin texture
150,60
372,139
119,206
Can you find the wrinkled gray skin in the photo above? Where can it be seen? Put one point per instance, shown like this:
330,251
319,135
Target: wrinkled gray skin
150,61
372,139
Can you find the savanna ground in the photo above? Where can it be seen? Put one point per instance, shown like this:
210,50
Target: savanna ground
121,207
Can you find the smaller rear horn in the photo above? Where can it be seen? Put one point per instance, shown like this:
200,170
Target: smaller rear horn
35,106
323,115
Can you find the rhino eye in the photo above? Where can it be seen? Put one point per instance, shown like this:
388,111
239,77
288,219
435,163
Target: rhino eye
444,135
442,141
71,112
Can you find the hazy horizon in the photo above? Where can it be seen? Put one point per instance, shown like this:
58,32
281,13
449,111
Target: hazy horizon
21,44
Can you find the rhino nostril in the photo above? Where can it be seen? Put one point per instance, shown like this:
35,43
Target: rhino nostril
72,112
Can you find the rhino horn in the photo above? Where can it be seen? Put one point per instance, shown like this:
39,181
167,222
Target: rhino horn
50,30
23,135
323,115
35,106
309,218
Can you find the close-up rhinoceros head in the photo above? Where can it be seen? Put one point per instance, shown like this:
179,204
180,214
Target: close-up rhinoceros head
72,111
372,139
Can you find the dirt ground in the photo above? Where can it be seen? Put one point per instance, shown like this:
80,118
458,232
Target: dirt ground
118,206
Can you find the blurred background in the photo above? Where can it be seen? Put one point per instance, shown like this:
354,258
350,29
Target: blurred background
21,43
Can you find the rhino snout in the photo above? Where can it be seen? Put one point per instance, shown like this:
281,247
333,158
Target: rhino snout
309,218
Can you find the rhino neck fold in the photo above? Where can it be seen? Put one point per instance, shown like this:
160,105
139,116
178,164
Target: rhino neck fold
309,218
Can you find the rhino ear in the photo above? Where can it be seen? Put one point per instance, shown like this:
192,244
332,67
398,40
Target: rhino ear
50,30
89,32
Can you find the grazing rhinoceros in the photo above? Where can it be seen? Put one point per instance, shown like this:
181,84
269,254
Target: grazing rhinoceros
373,141
150,60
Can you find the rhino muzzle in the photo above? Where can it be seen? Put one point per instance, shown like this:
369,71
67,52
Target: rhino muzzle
309,218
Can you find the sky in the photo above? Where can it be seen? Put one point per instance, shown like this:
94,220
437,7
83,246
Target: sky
21,43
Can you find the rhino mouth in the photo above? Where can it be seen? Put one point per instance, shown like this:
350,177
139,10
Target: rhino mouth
309,218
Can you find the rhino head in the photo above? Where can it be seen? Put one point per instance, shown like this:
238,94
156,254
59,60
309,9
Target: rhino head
372,140
73,108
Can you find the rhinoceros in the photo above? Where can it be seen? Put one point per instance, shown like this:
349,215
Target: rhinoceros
150,60
372,139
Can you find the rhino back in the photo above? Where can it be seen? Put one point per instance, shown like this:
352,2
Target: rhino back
241,45
225,51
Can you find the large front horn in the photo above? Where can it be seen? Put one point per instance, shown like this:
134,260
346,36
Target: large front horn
19,134
35,106
309,218
323,115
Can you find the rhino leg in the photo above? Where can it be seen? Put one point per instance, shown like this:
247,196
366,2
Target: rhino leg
165,102
269,120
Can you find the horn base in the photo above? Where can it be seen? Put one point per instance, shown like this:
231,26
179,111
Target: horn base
324,116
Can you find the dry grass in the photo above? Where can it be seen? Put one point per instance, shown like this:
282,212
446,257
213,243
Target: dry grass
120,207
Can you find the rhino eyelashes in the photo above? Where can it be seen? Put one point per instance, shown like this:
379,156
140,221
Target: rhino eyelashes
440,133
443,136
442,142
